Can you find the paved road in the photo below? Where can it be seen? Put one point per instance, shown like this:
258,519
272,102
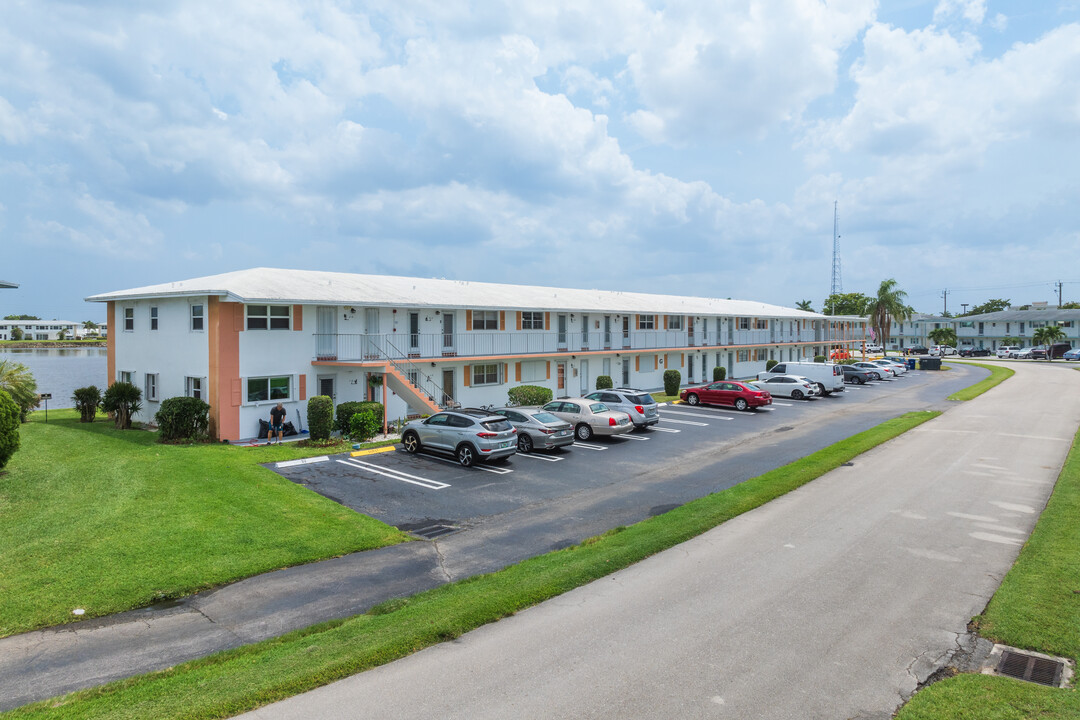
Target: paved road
545,506
834,601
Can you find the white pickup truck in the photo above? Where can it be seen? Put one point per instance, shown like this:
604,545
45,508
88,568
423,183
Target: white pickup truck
829,377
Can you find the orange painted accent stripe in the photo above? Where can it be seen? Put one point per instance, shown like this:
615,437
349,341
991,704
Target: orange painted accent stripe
298,317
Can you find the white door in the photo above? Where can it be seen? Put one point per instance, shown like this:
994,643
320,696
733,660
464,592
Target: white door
585,377
326,332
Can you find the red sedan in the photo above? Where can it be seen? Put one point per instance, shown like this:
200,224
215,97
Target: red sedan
727,392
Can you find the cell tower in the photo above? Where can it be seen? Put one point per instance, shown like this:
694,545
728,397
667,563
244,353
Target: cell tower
837,283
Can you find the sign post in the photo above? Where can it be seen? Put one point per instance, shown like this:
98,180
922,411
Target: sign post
46,397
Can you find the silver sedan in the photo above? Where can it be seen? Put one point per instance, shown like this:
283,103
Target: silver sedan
537,429
590,417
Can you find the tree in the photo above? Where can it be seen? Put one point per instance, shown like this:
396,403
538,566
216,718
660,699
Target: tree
804,305
1047,336
9,428
122,399
889,305
995,305
21,317
16,333
89,325
62,335
17,380
847,304
1071,305
1012,341
943,336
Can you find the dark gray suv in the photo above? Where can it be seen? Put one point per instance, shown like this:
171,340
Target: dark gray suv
638,404
470,435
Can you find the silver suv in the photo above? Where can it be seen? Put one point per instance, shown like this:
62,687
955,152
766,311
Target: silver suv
470,435
638,404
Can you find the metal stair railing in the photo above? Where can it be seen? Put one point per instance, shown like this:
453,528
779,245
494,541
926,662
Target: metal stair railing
444,399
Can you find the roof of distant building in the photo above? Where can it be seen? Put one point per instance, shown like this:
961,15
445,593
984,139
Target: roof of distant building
1039,314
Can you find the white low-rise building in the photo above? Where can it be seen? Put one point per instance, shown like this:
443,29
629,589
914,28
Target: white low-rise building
245,340
38,329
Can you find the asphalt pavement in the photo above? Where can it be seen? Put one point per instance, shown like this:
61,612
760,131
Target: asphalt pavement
834,601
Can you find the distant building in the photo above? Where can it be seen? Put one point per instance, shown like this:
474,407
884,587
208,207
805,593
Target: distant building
39,329
989,330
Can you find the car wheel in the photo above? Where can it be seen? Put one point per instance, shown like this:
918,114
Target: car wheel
821,389
860,381
692,399
875,376
796,395
525,443
583,432
466,455
411,442
741,404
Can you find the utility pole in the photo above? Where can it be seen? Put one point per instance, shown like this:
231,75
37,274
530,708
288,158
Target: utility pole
1059,284
964,305
945,296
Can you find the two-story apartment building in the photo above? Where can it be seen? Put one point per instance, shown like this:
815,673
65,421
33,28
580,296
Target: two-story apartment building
245,340
989,330
39,329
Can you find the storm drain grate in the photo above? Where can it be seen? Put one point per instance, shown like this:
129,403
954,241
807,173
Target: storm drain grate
435,531
1028,667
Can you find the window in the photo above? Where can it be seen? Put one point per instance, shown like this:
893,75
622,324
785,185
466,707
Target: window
485,320
646,322
268,388
129,319
533,371
743,356
193,387
744,323
485,374
269,317
153,318
761,324
532,320
196,317
124,376
674,322
151,387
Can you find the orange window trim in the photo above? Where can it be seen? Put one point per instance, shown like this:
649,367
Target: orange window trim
655,362
303,387
506,372
298,317
468,376
547,320
502,319
637,363
637,322
548,369
518,319
665,322
682,360
468,320
517,372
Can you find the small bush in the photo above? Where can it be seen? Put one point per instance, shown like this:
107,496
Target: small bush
182,418
819,358
122,400
344,412
320,417
603,382
672,381
87,401
363,426
719,373
770,364
9,428
529,395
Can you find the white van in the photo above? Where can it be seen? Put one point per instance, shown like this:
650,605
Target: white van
829,377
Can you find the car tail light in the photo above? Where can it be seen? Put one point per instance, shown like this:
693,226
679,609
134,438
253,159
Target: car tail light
487,435
547,431
641,410
611,421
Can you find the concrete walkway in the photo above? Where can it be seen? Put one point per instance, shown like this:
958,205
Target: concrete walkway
834,601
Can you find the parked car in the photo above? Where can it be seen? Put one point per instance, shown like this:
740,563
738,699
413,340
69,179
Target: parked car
1073,354
537,429
897,368
791,386
638,404
974,352
876,371
1040,352
1021,354
856,375
942,350
590,417
839,355
1006,351
739,395
874,348
470,435
827,376
917,350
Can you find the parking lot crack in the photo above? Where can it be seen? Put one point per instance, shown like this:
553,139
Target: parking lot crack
442,561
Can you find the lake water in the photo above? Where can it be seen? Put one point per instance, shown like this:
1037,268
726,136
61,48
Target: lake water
60,370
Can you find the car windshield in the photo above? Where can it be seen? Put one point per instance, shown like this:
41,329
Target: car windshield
598,407
546,418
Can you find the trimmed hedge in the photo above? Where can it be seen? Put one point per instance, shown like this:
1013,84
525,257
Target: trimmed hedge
320,417
719,373
9,427
770,364
603,382
364,425
530,395
672,381
182,418
819,358
346,410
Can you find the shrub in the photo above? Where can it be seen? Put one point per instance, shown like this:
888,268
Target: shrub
87,401
672,381
344,412
9,428
819,358
529,395
17,380
719,373
320,417
603,382
770,364
182,418
363,426
122,400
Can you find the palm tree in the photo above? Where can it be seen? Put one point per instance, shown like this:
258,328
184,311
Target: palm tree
886,307
1047,336
804,305
20,384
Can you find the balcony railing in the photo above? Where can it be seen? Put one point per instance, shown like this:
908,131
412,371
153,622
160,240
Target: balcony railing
413,346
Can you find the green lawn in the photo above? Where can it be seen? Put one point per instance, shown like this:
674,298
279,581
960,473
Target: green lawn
104,520
237,680
1037,607
998,375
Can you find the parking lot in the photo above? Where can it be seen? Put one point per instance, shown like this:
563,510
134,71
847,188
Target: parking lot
542,500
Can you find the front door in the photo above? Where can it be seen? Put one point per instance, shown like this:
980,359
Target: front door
414,333
562,332
626,372
371,334
326,386
585,377
326,332
560,379
447,387
690,368
626,331
690,330
584,332
607,332
448,333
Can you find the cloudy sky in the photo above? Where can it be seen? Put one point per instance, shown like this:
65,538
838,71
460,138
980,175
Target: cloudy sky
685,147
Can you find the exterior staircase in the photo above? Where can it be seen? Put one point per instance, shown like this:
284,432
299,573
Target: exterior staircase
416,397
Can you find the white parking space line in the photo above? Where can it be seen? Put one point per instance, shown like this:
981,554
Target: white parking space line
629,437
781,404
587,446
305,461
687,414
479,465
663,429
534,456
396,474
690,422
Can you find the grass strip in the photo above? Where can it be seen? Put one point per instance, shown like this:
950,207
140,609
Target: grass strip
237,680
1036,607
164,520
998,375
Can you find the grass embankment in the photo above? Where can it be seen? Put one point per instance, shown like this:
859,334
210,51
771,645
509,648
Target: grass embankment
998,375
236,680
1037,607
106,520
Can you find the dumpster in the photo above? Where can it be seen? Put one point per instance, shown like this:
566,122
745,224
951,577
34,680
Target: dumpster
930,363
911,363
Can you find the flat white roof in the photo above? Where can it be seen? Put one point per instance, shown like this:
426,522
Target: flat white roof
276,285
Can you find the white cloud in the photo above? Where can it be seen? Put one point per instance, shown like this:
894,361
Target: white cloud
971,10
